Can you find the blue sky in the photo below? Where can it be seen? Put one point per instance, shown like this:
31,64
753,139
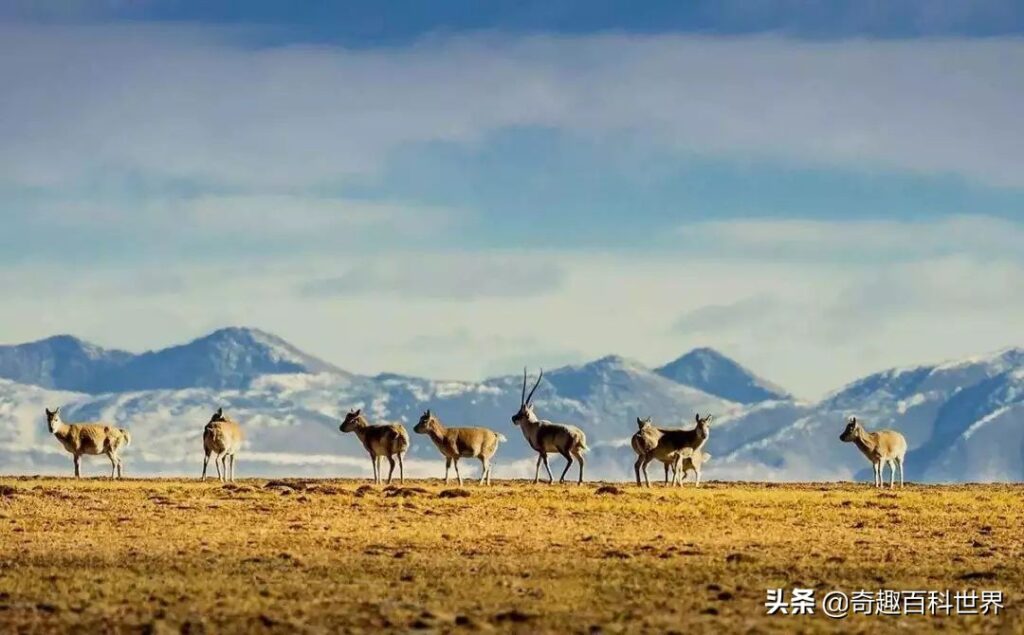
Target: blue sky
454,188
369,23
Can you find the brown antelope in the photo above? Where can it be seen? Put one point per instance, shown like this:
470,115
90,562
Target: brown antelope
388,440
668,445
882,447
545,436
455,443
222,438
644,441
89,438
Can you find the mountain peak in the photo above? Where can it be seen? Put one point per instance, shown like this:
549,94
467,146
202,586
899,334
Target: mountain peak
714,373
229,357
60,361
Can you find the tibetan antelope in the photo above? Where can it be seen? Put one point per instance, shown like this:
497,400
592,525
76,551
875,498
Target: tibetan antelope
89,438
455,443
644,441
387,440
544,436
668,445
222,438
689,462
882,447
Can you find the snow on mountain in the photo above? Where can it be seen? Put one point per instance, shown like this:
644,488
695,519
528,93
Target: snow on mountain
292,417
716,374
964,420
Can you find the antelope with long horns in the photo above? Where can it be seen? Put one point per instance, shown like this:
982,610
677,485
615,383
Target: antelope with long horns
89,438
545,436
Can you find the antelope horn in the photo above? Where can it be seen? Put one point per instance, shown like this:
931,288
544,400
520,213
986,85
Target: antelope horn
522,399
540,377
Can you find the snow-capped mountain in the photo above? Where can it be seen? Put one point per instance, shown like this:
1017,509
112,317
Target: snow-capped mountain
63,362
227,358
963,420
292,418
716,374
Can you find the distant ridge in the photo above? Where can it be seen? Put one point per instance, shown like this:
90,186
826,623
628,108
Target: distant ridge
227,358
716,374
63,362
963,419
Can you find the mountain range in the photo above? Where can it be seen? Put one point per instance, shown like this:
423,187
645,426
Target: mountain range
964,420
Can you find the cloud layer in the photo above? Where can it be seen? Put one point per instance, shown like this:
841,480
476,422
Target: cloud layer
173,102
198,180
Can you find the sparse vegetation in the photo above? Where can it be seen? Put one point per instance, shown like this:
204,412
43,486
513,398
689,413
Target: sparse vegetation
316,555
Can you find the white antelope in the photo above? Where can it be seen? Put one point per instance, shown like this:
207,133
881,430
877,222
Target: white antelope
545,436
388,440
686,462
456,443
882,447
89,438
671,446
222,438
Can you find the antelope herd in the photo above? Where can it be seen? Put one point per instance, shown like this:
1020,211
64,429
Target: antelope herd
680,450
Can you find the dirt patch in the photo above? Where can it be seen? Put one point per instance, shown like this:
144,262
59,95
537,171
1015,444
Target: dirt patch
978,575
404,492
295,486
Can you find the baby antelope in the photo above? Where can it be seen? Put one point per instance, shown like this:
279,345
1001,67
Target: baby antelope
686,462
455,443
882,447
222,438
89,438
388,440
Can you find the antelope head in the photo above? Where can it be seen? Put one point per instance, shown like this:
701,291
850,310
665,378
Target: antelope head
525,413
53,418
852,430
218,416
703,424
353,421
428,423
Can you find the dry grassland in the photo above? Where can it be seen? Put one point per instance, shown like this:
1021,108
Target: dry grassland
333,556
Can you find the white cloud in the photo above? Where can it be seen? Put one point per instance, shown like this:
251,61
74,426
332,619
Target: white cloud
212,227
717,317
184,102
861,239
446,277
809,326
